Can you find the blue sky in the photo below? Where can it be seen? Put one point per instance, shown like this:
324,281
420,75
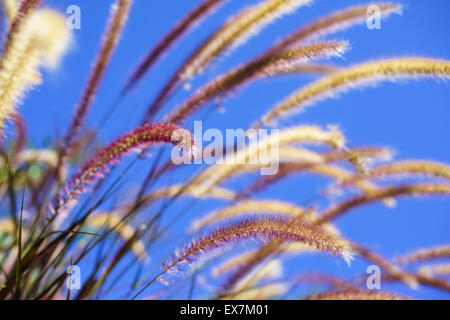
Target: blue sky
411,117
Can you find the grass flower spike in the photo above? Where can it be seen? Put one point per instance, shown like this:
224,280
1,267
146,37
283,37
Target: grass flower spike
265,66
238,29
270,228
425,254
193,18
11,7
137,139
335,22
29,49
357,295
357,76
118,19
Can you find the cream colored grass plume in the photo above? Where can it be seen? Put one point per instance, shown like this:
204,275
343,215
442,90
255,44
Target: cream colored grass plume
6,226
367,73
47,156
193,190
11,7
238,29
300,134
406,168
340,174
425,254
249,207
287,154
435,270
247,286
296,160
113,221
262,292
234,262
337,21
29,49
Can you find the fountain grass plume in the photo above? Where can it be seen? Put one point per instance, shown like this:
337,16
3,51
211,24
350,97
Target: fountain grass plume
193,18
118,18
138,139
367,73
29,49
267,228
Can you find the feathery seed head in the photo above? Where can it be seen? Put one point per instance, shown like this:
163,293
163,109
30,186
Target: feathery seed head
40,38
357,76
138,139
267,228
